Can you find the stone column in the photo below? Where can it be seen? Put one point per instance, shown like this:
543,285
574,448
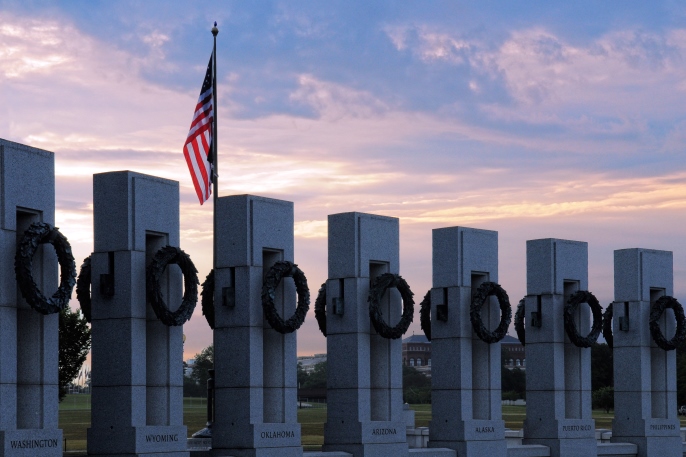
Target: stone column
29,351
465,378
364,384
644,374
255,366
558,373
137,402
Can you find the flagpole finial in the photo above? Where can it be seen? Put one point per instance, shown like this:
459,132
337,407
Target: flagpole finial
215,30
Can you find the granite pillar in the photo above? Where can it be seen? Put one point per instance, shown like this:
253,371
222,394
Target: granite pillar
644,374
364,384
255,366
558,373
137,361
29,383
465,379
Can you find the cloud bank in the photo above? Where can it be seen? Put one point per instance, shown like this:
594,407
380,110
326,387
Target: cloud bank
526,130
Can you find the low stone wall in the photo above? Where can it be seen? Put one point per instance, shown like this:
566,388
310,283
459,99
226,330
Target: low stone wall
418,438
602,435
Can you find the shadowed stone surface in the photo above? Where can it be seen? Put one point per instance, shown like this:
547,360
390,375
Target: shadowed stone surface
255,366
558,373
29,349
645,375
465,380
137,402
364,384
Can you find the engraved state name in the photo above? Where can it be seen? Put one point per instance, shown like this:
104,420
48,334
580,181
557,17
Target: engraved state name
485,429
30,444
384,431
663,427
576,428
161,438
284,434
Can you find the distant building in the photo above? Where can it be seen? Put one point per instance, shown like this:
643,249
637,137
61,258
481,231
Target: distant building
307,362
513,353
417,352
188,367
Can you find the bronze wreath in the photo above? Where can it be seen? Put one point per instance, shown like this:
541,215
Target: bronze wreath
280,270
165,256
376,292
83,288
425,315
40,233
656,311
519,321
207,298
578,297
607,326
320,309
484,291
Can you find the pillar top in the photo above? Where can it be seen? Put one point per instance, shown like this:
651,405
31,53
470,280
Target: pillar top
638,271
552,262
127,205
356,239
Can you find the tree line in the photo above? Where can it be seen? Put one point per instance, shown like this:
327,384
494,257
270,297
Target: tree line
417,386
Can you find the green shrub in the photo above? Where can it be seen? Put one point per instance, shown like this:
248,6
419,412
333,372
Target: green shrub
604,398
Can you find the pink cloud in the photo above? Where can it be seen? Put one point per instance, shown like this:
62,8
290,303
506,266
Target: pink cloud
65,91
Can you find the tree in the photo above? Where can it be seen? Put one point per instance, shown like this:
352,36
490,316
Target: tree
601,366
604,398
316,379
302,375
191,389
416,386
510,395
512,381
203,362
74,345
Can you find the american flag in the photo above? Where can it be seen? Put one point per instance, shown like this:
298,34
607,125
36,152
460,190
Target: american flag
199,140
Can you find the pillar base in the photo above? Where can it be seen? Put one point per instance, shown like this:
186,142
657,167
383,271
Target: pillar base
31,443
370,449
149,454
649,446
559,429
470,438
147,441
457,431
366,439
257,440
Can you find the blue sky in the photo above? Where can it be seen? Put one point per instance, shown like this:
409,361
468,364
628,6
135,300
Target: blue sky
536,119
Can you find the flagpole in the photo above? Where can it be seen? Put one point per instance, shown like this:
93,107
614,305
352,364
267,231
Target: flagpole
215,175
215,164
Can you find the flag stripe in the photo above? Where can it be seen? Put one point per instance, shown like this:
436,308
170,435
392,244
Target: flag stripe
201,162
204,139
197,146
192,166
199,166
201,119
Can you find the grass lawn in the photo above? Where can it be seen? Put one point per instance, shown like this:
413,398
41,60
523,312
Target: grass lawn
312,426
75,418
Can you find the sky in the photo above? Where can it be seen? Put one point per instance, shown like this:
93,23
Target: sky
538,119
